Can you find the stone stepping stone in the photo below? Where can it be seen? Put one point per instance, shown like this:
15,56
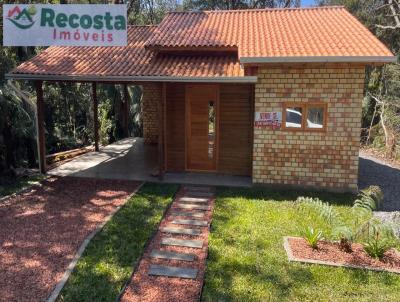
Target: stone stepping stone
193,199
183,231
192,206
197,189
190,222
188,214
172,255
197,244
173,271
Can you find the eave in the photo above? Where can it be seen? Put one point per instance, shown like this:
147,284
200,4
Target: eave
94,78
319,59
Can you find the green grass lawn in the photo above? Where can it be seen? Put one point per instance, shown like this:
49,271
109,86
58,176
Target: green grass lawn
108,261
247,261
9,187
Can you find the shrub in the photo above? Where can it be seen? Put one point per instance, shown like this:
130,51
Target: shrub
345,235
312,237
380,238
376,247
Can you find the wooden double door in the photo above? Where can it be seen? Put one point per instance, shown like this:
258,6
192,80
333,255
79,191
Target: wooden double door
209,128
202,120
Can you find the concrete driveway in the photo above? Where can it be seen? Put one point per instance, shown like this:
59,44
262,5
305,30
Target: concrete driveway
373,171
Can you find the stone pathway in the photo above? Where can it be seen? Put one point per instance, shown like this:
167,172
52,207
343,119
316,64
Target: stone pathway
173,265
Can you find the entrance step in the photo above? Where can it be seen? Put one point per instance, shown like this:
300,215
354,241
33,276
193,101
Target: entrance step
173,271
190,222
193,199
192,206
188,214
197,244
182,231
172,255
197,189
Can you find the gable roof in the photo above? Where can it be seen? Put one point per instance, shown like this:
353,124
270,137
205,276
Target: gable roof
321,34
274,35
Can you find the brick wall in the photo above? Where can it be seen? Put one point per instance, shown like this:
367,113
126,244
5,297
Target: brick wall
314,159
152,93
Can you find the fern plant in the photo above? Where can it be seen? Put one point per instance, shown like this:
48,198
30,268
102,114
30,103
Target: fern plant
315,206
362,216
370,198
312,236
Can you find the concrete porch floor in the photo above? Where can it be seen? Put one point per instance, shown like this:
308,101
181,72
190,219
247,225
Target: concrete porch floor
131,159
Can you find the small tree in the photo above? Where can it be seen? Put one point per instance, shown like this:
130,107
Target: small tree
384,90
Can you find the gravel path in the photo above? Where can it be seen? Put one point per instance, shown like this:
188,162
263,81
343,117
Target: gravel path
42,229
374,171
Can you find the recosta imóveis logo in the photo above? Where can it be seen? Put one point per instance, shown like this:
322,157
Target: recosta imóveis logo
22,19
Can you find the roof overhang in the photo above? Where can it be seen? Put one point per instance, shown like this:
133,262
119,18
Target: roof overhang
91,78
322,59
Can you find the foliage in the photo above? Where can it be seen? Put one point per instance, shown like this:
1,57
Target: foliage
370,198
238,4
315,205
107,125
381,106
379,239
384,96
10,186
17,130
312,236
68,116
360,226
109,259
246,261
376,247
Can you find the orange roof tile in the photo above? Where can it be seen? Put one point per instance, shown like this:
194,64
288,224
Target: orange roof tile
272,33
130,61
321,34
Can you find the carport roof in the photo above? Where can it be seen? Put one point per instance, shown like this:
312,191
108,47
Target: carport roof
130,63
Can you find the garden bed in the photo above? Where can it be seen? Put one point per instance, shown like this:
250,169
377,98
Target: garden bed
328,253
42,229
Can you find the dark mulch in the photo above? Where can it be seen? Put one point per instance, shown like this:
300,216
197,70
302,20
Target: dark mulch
143,288
328,251
41,230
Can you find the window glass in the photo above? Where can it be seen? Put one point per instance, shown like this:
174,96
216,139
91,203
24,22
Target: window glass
315,117
293,117
211,129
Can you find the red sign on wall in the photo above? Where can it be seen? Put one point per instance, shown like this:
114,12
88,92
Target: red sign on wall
268,120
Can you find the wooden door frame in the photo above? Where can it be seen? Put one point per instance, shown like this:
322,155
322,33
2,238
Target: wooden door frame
252,112
187,124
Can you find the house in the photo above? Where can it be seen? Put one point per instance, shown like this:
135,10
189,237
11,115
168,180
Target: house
274,94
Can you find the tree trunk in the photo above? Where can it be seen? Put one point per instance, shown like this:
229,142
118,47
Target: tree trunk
389,136
10,148
370,126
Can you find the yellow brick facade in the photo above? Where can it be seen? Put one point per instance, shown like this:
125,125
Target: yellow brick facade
152,94
310,159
